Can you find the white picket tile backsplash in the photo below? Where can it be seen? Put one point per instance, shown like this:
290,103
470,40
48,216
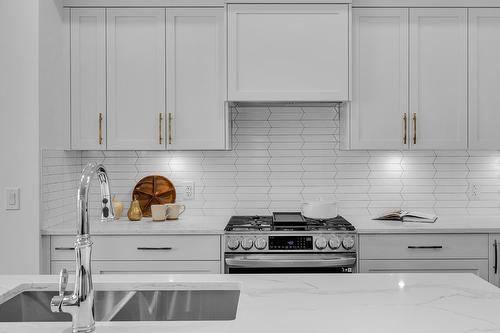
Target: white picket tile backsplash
281,157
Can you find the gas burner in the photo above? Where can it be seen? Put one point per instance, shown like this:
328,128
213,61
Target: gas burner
335,224
249,223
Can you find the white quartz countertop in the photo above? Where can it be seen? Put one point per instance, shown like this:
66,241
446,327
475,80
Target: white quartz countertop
306,303
444,224
184,225
216,224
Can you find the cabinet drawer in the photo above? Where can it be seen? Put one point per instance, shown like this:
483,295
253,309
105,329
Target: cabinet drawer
142,267
171,247
478,267
423,246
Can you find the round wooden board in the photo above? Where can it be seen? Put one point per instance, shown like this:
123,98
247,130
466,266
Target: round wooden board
153,190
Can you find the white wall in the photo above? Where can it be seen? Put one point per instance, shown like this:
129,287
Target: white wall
54,75
19,135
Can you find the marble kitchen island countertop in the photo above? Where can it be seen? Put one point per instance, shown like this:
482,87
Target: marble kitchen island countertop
307,303
184,225
444,224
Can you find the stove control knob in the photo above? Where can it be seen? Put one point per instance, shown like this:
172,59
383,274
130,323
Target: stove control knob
334,243
260,243
247,243
348,242
321,243
233,243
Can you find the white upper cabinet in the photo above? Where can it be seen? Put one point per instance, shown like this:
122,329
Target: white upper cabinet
88,78
438,78
288,52
196,113
380,78
484,78
136,78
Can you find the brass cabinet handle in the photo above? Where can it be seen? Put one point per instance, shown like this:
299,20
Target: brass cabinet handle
170,118
160,128
414,128
495,264
405,118
100,128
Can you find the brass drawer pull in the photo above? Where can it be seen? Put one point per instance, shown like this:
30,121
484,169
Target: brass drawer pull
62,248
170,119
425,247
100,128
405,118
414,128
160,125
154,248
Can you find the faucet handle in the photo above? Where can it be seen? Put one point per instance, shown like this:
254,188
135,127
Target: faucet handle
63,281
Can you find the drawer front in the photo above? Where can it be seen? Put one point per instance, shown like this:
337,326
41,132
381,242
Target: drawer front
478,266
142,267
423,246
171,247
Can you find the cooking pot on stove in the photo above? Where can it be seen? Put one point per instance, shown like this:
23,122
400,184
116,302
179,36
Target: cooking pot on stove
320,209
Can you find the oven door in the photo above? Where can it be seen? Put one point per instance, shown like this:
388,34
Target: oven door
289,263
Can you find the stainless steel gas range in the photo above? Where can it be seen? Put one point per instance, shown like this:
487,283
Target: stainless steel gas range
289,243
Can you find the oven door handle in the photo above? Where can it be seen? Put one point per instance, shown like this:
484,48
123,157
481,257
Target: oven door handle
265,263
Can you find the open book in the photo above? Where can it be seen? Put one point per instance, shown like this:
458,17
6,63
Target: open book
404,216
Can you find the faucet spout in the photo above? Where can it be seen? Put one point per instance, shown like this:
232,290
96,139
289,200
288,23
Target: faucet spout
80,304
107,211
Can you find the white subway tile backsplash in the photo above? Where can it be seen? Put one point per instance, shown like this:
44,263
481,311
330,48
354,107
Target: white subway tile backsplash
282,156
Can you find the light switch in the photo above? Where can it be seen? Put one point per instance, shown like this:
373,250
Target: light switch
12,196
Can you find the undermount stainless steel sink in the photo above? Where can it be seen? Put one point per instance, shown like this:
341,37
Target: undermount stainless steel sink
134,305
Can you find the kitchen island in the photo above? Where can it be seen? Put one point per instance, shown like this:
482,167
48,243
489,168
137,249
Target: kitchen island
306,303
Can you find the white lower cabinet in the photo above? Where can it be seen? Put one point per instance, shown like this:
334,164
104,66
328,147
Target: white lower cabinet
122,254
142,267
424,253
494,274
478,267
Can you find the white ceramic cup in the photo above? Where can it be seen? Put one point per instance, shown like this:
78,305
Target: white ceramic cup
159,212
174,211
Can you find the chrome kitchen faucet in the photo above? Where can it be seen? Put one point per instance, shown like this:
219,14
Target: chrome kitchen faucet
80,304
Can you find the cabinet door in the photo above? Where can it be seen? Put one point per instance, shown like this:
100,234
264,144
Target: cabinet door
136,78
484,78
88,78
478,267
143,267
195,79
380,78
287,52
494,269
438,78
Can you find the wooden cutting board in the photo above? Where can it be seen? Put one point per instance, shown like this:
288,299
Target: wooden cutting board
153,190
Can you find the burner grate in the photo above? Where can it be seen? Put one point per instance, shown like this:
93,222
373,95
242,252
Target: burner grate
265,223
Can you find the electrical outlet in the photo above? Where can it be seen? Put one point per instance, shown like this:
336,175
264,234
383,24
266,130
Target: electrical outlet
188,190
474,191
